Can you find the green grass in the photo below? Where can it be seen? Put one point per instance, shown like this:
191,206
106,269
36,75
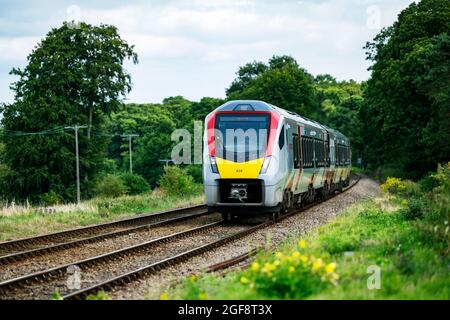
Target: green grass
17,222
412,254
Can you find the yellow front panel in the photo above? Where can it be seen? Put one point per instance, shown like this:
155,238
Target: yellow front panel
234,170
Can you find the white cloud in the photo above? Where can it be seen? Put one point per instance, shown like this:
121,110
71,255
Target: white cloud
204,38
17,48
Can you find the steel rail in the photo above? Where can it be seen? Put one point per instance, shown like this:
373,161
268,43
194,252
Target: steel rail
25,243
22,255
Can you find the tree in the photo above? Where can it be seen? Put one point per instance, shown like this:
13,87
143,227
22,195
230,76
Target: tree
245,75
282,83
202,108
154,124
74,75
408,93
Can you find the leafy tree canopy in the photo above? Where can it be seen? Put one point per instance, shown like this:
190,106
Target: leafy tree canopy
408,98
282,82
74,76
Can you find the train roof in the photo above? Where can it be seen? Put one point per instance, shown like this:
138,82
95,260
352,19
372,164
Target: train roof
261,106
245,105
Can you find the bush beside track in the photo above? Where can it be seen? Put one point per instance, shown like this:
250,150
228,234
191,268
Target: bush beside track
405,233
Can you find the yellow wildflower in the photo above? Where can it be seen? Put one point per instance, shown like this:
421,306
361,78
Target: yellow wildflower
255,267
202,296
303,259
291,269
334,276
164,296
302,244
269,266
296,255
329,268
276,263
317,264
244,280
279,255
193,278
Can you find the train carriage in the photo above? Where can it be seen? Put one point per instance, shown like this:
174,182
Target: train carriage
261,158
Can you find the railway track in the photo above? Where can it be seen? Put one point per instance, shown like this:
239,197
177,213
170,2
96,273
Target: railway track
42,284
17,250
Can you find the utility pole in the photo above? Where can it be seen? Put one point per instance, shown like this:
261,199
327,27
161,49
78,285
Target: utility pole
130,136
77,155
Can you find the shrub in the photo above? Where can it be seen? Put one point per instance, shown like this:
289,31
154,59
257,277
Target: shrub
50,198
110,186
196,171
176,181
108,166
402,188
428,183
290,275
392,185
414,210
101,295
135,183
443,180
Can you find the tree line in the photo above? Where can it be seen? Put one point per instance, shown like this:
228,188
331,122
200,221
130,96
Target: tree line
398,121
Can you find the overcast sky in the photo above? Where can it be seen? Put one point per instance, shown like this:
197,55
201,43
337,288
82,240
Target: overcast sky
193,48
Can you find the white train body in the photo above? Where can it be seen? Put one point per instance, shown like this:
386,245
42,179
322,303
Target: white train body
294,162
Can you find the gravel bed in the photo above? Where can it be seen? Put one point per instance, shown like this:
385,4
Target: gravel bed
152,286
88,250
105,271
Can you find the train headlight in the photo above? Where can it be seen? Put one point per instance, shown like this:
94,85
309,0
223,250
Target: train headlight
265,165
213,165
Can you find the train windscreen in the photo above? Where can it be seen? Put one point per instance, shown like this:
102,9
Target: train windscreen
241,138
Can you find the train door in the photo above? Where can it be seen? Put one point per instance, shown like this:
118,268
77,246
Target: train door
326,150
294,159
332,151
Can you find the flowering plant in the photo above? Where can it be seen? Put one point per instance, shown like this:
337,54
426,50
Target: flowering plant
290,275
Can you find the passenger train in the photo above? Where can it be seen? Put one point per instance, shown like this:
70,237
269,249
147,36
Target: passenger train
259,158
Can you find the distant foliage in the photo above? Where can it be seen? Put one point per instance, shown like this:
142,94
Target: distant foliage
176,181
135,183
281,82
110,186
407,112
50,198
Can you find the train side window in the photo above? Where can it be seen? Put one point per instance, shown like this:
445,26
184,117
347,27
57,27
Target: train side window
295,150
281,138
303,151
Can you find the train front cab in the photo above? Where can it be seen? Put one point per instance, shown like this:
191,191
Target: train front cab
241,177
